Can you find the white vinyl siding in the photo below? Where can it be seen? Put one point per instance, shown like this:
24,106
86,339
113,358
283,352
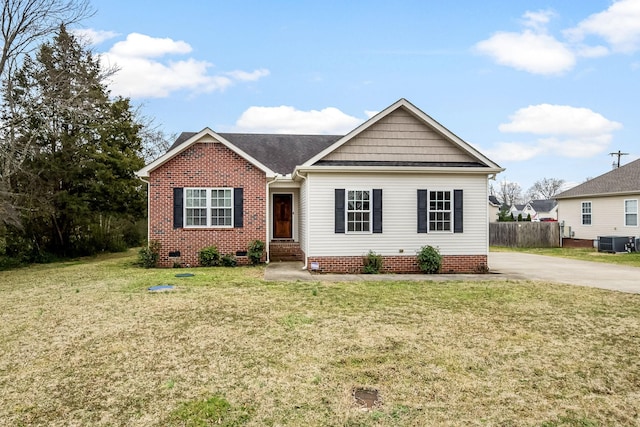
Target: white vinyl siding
400,235
607,217
631,213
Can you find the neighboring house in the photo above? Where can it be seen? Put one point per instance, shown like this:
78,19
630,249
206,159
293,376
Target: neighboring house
541,209
494,208
603,206
394,184
517,209
538,209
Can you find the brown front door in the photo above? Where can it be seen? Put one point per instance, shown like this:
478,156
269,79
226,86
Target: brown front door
282,216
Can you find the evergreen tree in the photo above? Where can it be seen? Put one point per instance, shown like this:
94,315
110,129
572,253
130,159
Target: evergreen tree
77,185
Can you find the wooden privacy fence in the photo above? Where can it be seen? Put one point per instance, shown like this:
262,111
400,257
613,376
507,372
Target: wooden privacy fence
525,234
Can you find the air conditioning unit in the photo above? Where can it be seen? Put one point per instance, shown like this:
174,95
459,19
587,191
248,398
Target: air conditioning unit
633,244
614,244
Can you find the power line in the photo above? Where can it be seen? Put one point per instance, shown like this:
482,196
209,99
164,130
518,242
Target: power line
619,154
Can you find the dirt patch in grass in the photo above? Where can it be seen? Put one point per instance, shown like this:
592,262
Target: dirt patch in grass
87,344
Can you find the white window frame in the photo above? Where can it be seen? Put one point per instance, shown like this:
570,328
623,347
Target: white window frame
442,211
209,207
627,213
583,213
358,211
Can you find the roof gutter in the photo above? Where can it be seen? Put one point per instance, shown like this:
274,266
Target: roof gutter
399,169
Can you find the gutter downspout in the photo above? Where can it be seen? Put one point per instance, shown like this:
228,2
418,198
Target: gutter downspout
148,207
268,225
306,230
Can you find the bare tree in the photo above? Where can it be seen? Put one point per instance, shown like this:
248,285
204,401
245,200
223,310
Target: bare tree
545,189
155,142
509,193
25,22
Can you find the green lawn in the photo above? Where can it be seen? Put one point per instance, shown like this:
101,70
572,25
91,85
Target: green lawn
84,343
630,259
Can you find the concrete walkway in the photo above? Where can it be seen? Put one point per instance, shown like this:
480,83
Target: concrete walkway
292,271
503,266
561,270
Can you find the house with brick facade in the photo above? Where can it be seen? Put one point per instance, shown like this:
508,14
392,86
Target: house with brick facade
396,183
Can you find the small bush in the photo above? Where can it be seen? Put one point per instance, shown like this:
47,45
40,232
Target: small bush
229,260
429,259
372,263
148,257
209,256
255,252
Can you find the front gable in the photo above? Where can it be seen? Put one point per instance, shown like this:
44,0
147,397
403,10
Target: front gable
402,136
205,136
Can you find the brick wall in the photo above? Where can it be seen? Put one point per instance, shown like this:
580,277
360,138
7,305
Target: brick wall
205,165
402,264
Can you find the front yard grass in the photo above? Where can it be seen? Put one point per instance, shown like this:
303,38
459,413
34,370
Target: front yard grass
85,343
585,254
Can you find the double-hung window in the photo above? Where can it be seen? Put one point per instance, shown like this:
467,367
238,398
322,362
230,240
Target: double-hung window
631,213
440,211
358,211
208,207
586,213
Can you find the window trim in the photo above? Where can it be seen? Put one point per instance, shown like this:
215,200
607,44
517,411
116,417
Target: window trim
346,211
582,213
208,208
451,211
624,204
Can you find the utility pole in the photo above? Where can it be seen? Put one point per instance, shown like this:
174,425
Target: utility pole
619,154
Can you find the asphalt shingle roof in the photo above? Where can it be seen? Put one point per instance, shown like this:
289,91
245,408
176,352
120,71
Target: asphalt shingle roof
625,179
279,152
543,205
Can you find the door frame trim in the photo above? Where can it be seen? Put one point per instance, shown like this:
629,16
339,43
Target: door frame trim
294,234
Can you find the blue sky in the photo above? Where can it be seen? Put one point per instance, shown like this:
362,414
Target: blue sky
547,89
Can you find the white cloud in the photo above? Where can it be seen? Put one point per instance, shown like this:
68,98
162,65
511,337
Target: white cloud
248,77
287,119
532,50
536,51
537,20
528,51
547,119
145,71
560,130
591,51
143,46
619,25
93,37
370,113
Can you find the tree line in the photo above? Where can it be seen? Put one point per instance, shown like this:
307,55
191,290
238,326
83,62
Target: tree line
68,149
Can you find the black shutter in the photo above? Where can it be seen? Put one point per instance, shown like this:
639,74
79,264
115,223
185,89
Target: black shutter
339,210
238,208
377,211
423,200
178,204
457,211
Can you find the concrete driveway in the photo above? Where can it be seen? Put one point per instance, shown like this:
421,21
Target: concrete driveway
561,270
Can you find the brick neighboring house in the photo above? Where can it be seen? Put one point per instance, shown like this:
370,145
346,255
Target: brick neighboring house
396,183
